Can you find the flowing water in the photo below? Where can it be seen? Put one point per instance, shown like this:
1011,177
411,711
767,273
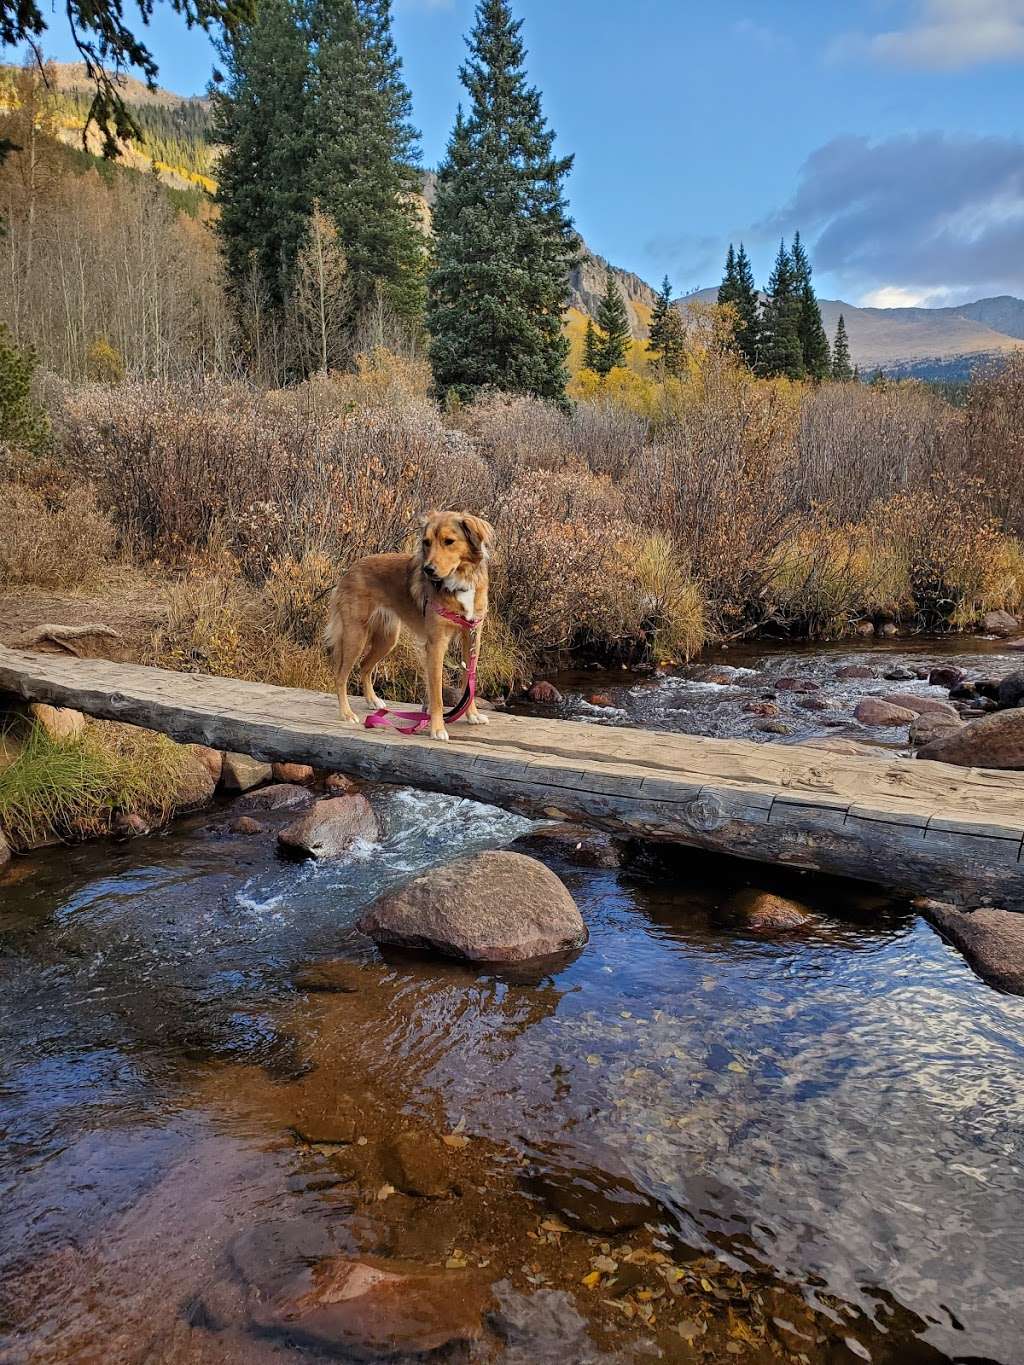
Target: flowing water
817,1138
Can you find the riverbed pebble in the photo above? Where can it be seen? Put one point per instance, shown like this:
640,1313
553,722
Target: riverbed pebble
946,675
293,772
330,828
278,796
546,693
873,711
240,773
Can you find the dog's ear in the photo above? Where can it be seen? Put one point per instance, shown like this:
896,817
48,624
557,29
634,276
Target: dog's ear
425,519
479,533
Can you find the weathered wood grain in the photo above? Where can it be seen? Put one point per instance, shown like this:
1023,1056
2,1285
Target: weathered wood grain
923,828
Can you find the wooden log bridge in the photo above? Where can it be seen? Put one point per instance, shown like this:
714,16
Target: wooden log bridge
917,827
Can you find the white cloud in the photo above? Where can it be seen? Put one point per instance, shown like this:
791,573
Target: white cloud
894,296
945,35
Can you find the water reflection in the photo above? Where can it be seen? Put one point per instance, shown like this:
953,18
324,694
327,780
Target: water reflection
836,1110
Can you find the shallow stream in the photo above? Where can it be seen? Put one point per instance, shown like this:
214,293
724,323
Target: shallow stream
823,1132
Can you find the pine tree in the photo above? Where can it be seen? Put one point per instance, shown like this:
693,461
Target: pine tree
23,423
504,243
365,173
591,347
728,289
615,331
813,342
781,351
842,370
263,120
748,310
666,341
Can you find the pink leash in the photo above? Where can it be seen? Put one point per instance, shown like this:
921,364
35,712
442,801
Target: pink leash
421,719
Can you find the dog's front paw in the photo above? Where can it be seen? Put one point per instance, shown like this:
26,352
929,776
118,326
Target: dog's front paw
440,733
350,719
476,718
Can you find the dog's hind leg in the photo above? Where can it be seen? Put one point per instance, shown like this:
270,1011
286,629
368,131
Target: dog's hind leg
471,641
384,631
347,651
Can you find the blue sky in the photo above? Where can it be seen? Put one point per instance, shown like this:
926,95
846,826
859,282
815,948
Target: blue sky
888,131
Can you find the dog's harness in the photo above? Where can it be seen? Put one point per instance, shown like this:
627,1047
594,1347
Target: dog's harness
417,721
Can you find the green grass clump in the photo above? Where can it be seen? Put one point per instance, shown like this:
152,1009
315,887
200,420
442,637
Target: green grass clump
73,788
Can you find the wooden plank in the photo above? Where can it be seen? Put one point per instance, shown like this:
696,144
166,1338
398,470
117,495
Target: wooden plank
924,828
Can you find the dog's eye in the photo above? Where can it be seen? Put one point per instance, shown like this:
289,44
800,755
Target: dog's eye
426,544
449,541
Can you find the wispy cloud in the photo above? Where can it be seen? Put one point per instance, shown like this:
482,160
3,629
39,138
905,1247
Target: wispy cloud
760,35
931,215
943,35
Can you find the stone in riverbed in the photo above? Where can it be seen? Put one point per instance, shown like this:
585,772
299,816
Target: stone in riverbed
899,673
991,940
292,772
922,706
946,675
546,693
761,708
929,726
855,671
362,1308
774,727
245,824
279,796
334,976
491,907
873,711
600,699
240,773
338,783
418,1164
1000,623
592,1199
764,912
194,786
575,843
1011,690
789,684
996,741
331,827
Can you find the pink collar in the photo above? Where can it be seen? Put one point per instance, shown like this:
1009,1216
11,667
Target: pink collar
463,622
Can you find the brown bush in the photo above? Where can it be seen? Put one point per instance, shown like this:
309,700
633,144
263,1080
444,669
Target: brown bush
62,545
995,439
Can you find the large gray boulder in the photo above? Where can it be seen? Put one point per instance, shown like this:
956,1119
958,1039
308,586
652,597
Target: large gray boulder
995,741
491,907
1000,622
330,827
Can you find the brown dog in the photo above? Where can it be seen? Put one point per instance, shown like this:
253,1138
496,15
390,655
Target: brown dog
382,593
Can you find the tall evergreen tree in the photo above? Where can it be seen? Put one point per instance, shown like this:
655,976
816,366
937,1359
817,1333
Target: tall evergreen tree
613,322
842,370
666,341
263,120
748,310
817,361
591,347
727,290
365,169
781,351
504,243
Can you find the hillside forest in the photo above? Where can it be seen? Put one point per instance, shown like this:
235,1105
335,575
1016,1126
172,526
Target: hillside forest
261,342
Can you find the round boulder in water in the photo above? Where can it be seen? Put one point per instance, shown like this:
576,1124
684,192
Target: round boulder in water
491,907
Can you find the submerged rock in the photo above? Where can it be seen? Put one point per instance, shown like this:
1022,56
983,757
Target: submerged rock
239,772
764,912
546,693
855,671
991,940
335,976
804,685
587,847
761,708
331,827
339,783
245,824
418,1164
591,1199
873,711
491,907
995,741
279,796
379,1309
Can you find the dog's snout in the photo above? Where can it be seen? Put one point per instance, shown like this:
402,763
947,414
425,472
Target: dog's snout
431,572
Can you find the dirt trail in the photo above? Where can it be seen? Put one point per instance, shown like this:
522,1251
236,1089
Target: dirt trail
129,602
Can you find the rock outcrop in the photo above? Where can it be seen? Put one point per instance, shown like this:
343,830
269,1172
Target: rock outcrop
995,741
